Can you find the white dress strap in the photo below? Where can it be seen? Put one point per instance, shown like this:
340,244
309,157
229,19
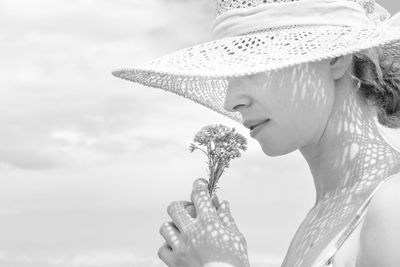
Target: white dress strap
353,225
329,253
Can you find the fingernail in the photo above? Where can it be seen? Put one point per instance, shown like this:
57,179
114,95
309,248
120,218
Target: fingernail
225,205
192,211
198,181
215,201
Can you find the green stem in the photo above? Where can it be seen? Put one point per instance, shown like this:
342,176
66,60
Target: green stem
202,150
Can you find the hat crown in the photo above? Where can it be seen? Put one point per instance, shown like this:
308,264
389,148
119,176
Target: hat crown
226,5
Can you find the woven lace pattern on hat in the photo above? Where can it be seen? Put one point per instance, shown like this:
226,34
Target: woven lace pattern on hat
372,9
199,73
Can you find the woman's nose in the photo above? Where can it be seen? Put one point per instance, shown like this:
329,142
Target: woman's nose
235,99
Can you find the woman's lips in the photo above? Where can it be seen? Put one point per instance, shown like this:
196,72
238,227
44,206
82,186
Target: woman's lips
255,129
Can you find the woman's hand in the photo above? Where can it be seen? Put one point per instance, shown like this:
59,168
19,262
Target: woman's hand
211,237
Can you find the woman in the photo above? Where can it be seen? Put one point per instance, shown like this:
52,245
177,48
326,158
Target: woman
313,75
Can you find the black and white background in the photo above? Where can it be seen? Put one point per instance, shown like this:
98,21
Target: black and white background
89,163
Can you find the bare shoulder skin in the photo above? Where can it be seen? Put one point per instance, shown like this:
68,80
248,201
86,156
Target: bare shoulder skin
380,233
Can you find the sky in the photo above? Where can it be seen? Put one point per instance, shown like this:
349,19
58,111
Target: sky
89,162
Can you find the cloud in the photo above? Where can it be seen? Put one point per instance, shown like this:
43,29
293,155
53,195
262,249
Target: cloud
259,260
106,258
100,258
60,105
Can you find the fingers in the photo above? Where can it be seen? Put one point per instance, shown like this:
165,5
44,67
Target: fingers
224,214
165,254
170,233
179,215
201,199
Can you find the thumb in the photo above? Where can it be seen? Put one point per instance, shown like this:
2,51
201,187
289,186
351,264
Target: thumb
224,214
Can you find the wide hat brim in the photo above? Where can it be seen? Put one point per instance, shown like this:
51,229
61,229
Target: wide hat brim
200,73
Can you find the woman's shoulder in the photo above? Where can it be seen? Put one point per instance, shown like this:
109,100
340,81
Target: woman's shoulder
386,195
380,233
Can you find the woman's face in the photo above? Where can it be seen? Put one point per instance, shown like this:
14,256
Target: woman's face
297,101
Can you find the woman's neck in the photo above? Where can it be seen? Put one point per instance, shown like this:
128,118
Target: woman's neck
350,147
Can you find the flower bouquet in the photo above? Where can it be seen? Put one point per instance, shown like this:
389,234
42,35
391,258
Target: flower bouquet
220,144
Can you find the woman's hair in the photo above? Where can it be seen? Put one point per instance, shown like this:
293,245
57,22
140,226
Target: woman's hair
378,79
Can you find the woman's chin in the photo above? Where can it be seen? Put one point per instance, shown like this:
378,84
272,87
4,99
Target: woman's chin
274,151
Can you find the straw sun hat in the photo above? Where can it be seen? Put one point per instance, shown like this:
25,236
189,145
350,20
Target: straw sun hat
253,36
